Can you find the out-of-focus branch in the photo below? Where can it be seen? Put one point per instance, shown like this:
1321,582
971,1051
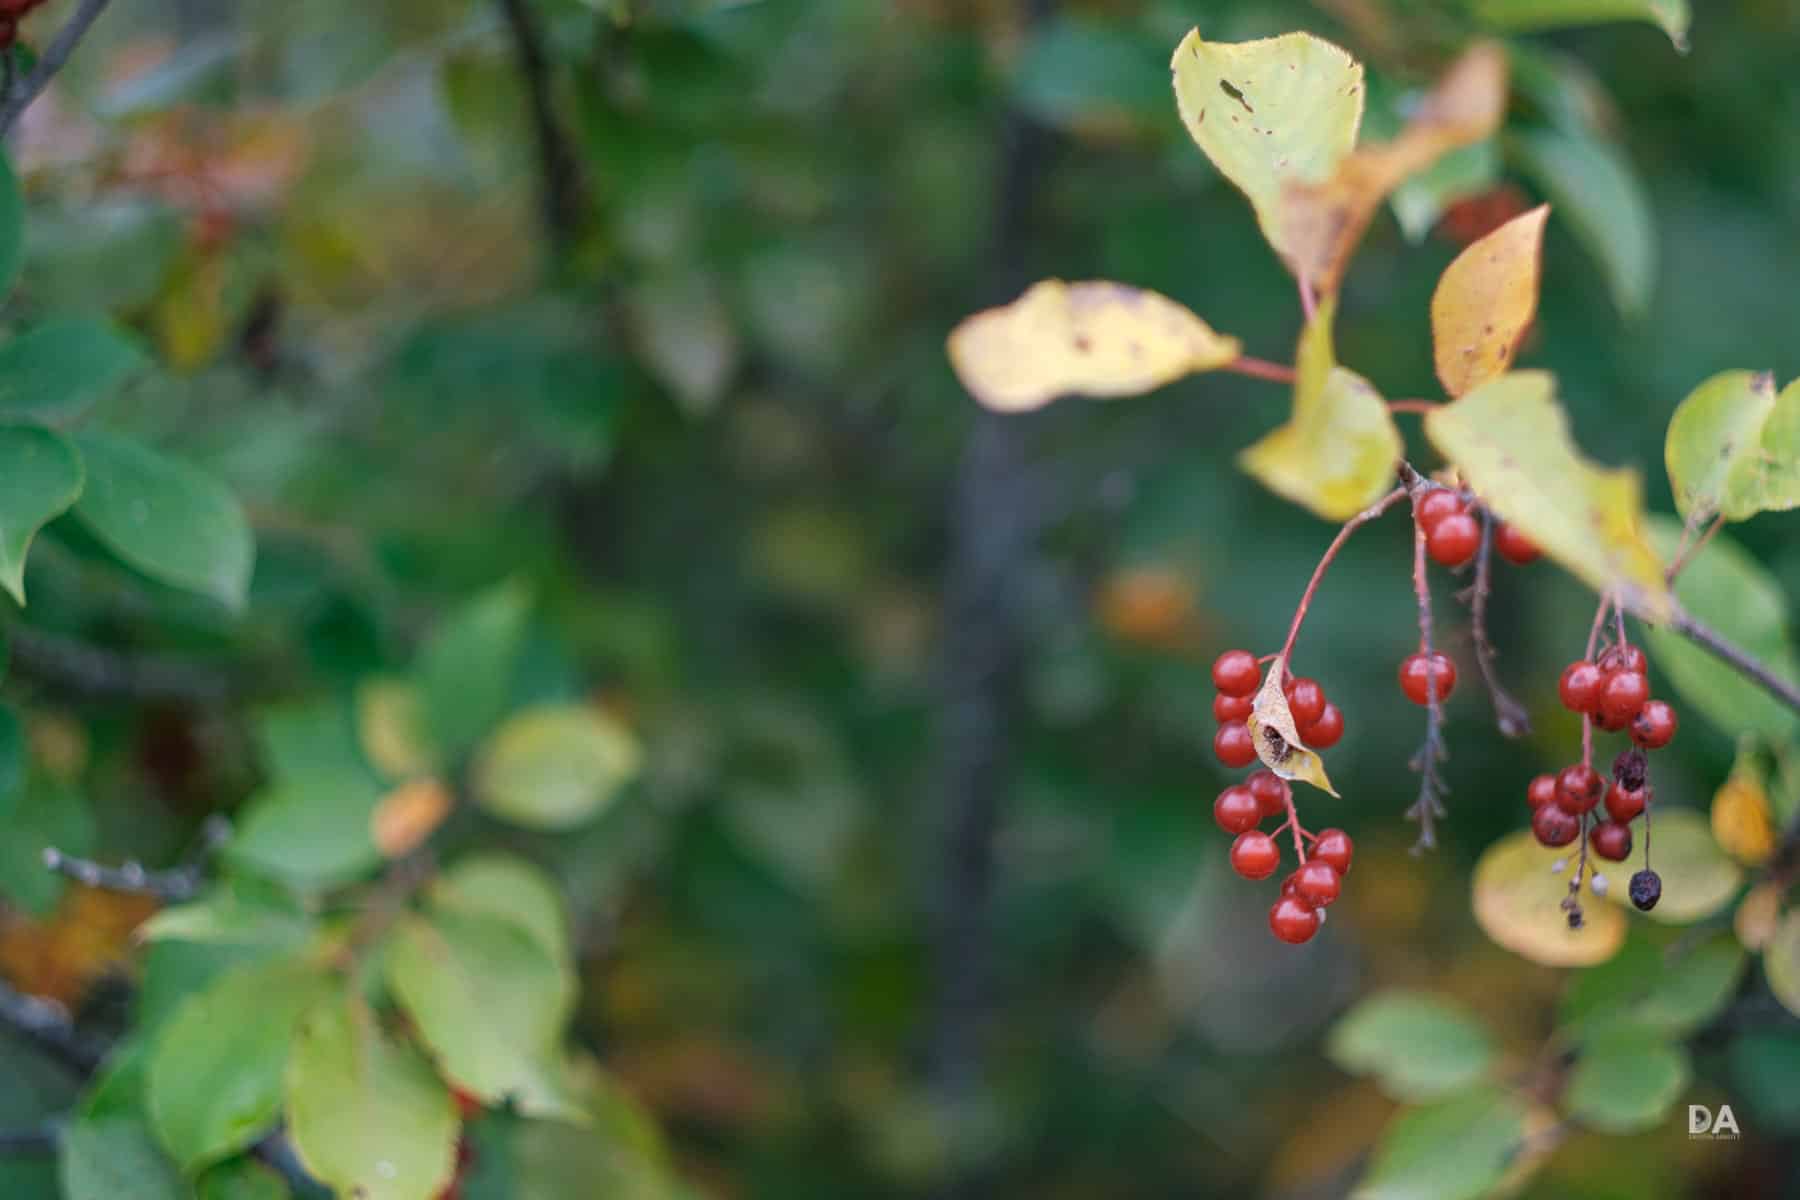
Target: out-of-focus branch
47,1026
1512,718
559,170
69,665
175,884
21,92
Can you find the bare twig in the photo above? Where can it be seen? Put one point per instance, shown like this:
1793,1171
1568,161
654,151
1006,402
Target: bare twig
47,1025
19,97
1741,660
1432,788
1512,718
559,169
176,884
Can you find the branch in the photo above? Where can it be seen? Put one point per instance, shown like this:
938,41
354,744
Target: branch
1746,664
130,877
1260,368
559,170
1512,718
30,1141
47,1025
95,671
20,96
1430,805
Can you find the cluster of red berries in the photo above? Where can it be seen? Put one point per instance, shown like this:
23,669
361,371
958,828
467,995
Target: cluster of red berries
1237,675
1315,883
1612,693
11,11
1453,534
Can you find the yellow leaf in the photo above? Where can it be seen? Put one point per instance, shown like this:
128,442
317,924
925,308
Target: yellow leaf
1485,302
391,727
1266,112
1278,743
1092,339
407,816
1518,903
1322,222
1510,439
1740,818
1336,454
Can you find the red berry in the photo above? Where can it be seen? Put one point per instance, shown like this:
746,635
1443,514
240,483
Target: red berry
1290,885
1541,791
1293,920
1578,789
1579,687
1611,840
1232,708
1270,791
1254,855
1622,698
1623,803
1624,658
1453,540
1654,725
1317,883
1324,733
1234,745
1236,810
1551,826
1306,700
1514,546
1334,848
1415,670
1435,505
1235,673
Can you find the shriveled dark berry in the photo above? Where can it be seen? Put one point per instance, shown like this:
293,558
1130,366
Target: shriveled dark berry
1646,889
1631,769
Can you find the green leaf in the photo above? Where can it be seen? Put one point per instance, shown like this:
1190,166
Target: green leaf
172,521
1086,75
310,830
1510,439
1418,1046
40,814
1698,878
1626,1081
1733,448
215,1075
465,670
1763,1069
509,889
367,1116
241,911
310,738
40,476
242,1179
489,1002
1673,16
54,371
12,224
1640,988
1268,112
554,766
1456,1149
1724,587
1337,453
1594,188
1458,175
115,1157
1781,962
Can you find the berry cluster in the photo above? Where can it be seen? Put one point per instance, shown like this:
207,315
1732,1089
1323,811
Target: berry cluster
1612,693
1315,883
1453,532
11,12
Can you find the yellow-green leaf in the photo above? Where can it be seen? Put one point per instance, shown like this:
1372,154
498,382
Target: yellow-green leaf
1270,111
1698,879
1278,743
1524,15
1485,302
1518,899
554,766
1733,447
1336,454
1091,339
1510,439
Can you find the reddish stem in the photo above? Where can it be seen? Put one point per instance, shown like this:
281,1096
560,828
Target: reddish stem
1593,642
1412,406
1331,552
1684,553
1309,303
1261,368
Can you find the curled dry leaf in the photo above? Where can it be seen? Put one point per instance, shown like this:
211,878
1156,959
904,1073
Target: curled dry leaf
1278,742
407,816
1485,302
1093,339
1322,221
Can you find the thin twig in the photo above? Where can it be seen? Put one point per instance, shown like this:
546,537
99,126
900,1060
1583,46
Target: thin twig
1685,552
1412,406
1429,806
48,1026
559,169
1593,644
131,877
1261,368
16,101
1331,552
1746,664
1512,718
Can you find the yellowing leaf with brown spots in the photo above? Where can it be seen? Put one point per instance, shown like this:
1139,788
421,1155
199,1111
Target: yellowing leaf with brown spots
1091,339
1322,221
407,816
1278,743
1518,904
1485,302
1740,818
1337,453
1510,439
1270,111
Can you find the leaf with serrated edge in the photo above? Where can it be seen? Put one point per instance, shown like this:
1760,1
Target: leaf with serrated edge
1510,439
1092,338
1322,222
1278,743
1485,302
1733,448
1337,453
1269,111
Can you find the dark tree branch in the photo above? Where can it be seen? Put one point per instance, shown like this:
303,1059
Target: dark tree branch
21,93
1741,660
559,170
176,884
32,1141
47,1026
87,670
1509,714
